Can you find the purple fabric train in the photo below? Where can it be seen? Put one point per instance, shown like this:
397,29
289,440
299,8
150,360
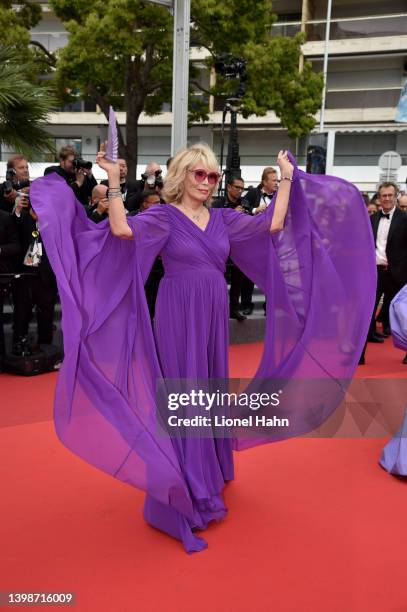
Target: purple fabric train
319,277
394,455
398,319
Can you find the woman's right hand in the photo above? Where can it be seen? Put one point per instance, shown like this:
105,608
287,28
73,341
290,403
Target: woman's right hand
286,167
112,168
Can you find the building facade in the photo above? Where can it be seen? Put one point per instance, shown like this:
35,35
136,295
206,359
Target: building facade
367,69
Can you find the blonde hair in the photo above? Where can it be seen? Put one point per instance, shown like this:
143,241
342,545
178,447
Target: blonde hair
182,162
266,172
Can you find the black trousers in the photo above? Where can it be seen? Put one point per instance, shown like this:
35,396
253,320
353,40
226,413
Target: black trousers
247,293
152,284
388,287
39,291
236,281
240,286
4,291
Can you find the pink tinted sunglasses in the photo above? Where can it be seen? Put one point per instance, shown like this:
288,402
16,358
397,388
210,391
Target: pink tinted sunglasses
201,175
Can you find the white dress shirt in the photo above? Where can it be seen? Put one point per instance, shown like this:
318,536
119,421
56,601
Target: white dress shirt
265,200
381,238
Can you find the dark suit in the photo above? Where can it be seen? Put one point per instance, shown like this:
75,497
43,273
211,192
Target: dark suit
9,249
391,279
82,193
152,284
224,202
240,286
9,243
255,197
131,194
6,204
93,214
38,288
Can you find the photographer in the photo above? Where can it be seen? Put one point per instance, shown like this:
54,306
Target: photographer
238,281
77,173
149,197
35,288
233,196
151,179
98,210
17,177
131,192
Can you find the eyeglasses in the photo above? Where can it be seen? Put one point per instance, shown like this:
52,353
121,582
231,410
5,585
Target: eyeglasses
201,175
238,187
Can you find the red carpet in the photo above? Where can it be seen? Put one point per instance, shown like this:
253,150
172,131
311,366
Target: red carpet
313,524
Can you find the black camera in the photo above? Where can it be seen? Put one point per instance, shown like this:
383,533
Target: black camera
81,164
153,180
23,185
230,67
8,184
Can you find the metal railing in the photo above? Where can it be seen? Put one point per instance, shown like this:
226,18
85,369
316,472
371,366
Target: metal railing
344,28
358,27
381,98
286,29
361,159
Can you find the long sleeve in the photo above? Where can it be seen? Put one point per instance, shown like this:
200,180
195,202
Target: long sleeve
319,277
105,396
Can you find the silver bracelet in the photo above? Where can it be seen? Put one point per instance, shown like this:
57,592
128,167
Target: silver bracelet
114,193
286,178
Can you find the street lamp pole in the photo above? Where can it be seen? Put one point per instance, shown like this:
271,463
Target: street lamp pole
180,72
325,68
180,75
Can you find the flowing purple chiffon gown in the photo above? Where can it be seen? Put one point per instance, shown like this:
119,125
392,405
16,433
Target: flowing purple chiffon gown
319,278
394,454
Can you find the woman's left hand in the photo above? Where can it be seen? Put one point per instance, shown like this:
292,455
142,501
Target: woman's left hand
286,167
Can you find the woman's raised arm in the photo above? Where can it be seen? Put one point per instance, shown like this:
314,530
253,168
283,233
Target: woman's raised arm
117,214
283,194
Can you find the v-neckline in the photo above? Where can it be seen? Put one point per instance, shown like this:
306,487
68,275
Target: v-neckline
190,220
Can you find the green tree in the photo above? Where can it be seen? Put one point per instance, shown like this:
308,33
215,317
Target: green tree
15,25
274,81
24,107
120,53
24,100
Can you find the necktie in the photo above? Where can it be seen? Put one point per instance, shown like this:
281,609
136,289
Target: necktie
382,214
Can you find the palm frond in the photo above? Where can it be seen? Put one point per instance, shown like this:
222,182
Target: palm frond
24,107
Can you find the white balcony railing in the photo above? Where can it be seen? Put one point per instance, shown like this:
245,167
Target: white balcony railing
341,29
380,97
355,27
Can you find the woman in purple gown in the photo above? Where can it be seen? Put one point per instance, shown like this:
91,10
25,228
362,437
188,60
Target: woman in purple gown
192,315
312,254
